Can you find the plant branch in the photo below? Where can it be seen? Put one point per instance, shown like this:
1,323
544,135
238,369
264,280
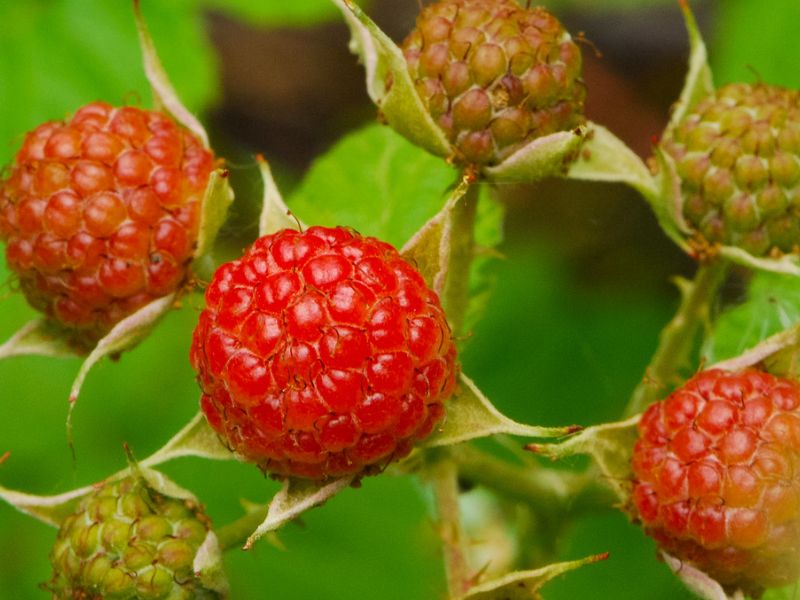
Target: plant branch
442,475
677,338
552,492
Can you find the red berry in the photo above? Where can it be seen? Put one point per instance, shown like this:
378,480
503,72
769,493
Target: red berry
100,214
322,354
717,477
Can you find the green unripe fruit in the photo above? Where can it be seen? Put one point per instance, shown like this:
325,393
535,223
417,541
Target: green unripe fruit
126,541
494,75
738,158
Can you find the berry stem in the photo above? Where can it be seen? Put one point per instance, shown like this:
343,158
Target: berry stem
551,492
678,337
234,535
456,294
442,475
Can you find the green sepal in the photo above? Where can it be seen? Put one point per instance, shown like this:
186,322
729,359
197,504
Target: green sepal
164,95
217,199
525,585
39,337
699,81
470,415
611,447
123,336
700,584
546,156
604,157
430,248
275,215
294,498
399,103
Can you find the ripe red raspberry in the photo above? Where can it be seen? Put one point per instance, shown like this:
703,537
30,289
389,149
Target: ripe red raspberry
495,75
322,354
100,214
717,477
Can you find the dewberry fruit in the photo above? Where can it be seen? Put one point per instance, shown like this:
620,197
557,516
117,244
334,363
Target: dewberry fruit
737,154
717,477
494,75
322,354
100,214
128,541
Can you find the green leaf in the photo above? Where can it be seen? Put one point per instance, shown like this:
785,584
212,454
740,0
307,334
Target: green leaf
604,157
611,446
399,102
39,337
777,354
525,585
295,497
275,215
58,55
376,182
750,42
470,415
297,13
542,157
699,82
772,305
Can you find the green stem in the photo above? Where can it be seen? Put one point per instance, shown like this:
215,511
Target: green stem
551,492
235,534
677,338
462,250
443,477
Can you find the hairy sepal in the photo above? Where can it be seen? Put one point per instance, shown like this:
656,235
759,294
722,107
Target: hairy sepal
399,102
699,82
275,215
470,415
294,498
39,337
547,156
611,447
604,157
525,585
697,581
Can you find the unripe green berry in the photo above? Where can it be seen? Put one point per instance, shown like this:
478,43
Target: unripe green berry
494,75
737,154
127,541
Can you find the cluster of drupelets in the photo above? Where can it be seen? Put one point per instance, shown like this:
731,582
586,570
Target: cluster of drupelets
324,355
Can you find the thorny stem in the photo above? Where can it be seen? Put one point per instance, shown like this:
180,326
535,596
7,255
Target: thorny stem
235,534
551,492
677,338
442,474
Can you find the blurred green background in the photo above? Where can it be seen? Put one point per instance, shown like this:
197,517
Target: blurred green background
575,314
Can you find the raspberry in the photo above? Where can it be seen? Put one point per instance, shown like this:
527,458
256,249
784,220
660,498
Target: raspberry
100,214
717,477
129,541
738,157
494,76
322,354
